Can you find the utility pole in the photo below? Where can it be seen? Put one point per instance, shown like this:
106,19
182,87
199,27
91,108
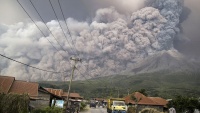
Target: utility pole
128,90
118,92
72,75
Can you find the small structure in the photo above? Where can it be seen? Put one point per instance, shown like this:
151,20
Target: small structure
74,98
39,97
61,93
44,98
146,102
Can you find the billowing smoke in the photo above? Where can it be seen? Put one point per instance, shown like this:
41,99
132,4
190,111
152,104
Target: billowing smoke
111,43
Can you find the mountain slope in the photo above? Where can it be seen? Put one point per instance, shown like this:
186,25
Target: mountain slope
156,84
167,61
165,74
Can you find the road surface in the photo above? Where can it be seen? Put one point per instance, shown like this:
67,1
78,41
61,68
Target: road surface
95,110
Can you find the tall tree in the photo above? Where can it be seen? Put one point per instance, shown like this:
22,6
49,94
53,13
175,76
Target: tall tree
183,103
143,91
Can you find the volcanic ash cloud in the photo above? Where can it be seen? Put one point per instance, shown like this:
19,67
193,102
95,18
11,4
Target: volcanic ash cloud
111,43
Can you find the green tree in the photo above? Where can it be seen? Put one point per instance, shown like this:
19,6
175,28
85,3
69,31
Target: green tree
193,103
131,109
14,103
183,103
143,91
83,105
121,96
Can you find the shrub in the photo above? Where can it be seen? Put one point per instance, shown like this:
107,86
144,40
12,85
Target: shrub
150,110
14,103
48,110
83,105
131,110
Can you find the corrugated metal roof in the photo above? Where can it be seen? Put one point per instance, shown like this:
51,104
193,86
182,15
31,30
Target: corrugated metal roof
72,95
159,100
5,83
23,87
58,92
143,99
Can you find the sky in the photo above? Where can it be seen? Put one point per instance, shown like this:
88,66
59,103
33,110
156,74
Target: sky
189,46
109,36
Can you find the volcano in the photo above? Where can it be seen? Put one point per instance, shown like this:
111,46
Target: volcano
165,61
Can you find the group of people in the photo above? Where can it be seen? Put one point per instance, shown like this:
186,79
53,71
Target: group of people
101,103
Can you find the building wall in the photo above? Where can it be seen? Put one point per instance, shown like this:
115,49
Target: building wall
42,101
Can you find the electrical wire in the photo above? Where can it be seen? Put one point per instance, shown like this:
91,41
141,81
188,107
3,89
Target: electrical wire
65,22
30,65
67,29
50,32
61,26
47,26
40,29
42,32
69,33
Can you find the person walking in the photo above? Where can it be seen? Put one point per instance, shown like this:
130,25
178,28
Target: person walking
172,110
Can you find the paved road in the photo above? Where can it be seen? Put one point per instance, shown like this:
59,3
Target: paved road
95,110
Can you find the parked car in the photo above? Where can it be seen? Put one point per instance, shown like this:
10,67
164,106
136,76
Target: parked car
93,104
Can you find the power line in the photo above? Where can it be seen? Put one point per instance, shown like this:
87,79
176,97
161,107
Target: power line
38,26
35,23
65,22
44,34
60,25
46,25
50,32
40,29
29,65
67,29
70,34
72,40
63,30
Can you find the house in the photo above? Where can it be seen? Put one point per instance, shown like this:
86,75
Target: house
73,97
5,83
23,87
58,92
61,93
44,98
159,100
146,102
39,97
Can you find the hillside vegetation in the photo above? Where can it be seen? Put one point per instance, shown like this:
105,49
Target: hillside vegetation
155,84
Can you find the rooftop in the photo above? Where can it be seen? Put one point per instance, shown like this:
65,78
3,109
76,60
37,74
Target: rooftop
144,100
5,83
23,87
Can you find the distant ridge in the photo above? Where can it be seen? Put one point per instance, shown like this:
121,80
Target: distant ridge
167,61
